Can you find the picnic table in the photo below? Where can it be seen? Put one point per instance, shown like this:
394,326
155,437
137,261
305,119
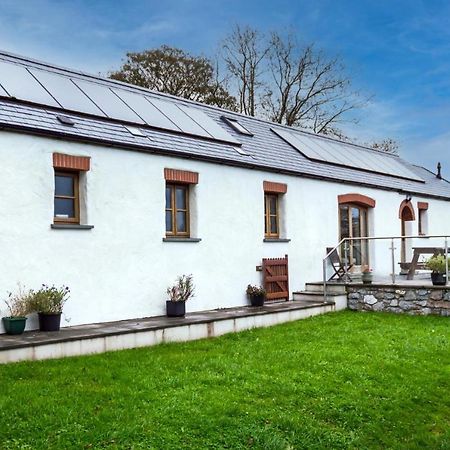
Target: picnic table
418,251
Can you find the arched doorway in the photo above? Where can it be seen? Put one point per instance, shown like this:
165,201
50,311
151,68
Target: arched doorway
406,215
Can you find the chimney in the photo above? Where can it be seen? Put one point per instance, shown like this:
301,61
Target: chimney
438,175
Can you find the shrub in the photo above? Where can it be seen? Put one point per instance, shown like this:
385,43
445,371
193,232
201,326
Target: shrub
436,264
255,290
182,290
18,303
49,300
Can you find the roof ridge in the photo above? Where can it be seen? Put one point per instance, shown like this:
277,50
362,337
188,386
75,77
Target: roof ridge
132,87
432,173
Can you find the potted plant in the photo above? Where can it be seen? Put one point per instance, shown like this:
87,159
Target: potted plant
366,275
19,307
179,294
257,295
48,302
438,267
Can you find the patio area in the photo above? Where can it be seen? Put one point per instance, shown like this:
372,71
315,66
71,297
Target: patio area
119,335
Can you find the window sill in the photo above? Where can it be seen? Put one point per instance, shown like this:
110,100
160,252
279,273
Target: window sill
70,226
276,240
180,239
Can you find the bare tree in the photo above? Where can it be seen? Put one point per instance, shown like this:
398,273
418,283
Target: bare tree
386,145
244,52
308,89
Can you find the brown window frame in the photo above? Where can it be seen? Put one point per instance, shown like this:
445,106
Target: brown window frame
174,210
267,216
76,197
420,224
364,229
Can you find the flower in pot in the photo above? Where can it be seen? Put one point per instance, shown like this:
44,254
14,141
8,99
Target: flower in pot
19,306
257,295
179,294
48,302
366,275
438,269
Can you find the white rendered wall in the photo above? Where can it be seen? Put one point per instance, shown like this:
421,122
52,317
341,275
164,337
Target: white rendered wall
121,268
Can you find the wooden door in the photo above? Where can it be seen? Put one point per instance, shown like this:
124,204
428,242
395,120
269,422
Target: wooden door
276,278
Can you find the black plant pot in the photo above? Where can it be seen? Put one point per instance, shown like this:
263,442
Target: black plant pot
438,279
175,309
257,300
49,321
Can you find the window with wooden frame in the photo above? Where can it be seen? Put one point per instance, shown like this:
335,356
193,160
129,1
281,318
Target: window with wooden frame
67,198
271,215
177,210
423,218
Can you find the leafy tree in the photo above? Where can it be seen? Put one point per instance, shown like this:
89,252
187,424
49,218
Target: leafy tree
174,71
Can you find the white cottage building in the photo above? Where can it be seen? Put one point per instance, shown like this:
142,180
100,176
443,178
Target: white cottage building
115,190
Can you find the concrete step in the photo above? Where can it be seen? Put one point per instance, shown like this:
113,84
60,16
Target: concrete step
316,297
309,296
332,288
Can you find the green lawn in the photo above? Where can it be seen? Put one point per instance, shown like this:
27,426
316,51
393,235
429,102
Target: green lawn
343,380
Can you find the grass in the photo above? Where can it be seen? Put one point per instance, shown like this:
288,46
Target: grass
343,380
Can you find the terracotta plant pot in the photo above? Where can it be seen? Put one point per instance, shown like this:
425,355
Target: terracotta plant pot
438,279
14,325
175,309
257,300
49,321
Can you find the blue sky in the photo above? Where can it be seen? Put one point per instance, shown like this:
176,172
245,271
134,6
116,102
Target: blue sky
397,51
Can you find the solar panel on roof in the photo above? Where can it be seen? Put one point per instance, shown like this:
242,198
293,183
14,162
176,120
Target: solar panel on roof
176,115
43,86
152,115
208,124
329,151
66,92
110,103
20,84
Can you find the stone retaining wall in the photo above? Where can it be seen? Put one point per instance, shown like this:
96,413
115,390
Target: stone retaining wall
399,299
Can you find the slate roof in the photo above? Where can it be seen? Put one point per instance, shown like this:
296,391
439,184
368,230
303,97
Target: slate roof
265,149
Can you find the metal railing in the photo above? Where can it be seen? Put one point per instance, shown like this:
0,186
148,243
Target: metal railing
346,241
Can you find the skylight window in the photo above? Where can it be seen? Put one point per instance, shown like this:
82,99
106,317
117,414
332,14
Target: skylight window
237,126
241,151
65,120
135,131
